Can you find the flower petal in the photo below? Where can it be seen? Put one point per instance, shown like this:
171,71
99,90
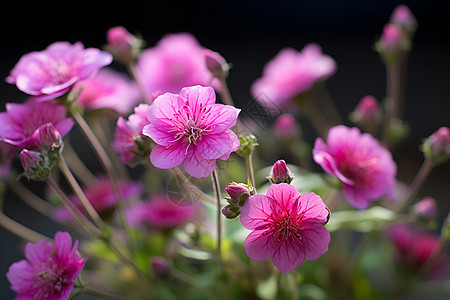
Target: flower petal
221,117
196,165
256,210
259,246
288,256
285,194
213,146
168,157
315,240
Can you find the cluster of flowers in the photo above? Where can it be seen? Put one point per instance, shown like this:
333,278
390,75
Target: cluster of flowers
167,114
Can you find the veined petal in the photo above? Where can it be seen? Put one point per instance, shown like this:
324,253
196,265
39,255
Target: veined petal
159,135
196,165
259,246
168,157
198,96
315,240
256,210
285,194
288,256
163,109
222,117
213,146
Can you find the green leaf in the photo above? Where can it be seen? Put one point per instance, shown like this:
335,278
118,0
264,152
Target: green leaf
360,220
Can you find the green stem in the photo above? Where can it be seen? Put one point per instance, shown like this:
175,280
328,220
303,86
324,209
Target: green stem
100,294
20,230
393,92
250,171
79,168
79,191
225,92
105,161
216,186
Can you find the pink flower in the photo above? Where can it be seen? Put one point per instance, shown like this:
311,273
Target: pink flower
120,39
413,248
191,130
366,169
102,197
285,126
290,73
50,73
391,39
403,17
128,138
21,124
437,146
280,173
427,207
108,89
49,271
287,226
160,212
175,62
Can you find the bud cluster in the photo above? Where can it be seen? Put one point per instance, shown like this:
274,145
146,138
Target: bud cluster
237,195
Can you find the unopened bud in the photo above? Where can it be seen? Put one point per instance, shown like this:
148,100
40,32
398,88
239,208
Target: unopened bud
231,211
160,266
238,193
393,43
280,173
437,146
426,207
285,126
247,145
216,64
34,164
49,137
403,17
122,44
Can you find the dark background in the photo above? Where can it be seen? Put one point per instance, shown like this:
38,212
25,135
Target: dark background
248,34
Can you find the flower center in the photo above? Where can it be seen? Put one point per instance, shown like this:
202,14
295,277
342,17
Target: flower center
285,225
50,279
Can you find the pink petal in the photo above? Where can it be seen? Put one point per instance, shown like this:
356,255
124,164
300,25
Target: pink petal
235,145
196,165
315,239
20,276
256,210
213,146
313,208
168,157
222,117
159,135
259,246
163,109
197,95
285,194
288,256
38,253
63,244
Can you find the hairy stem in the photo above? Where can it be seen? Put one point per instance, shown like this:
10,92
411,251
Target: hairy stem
216,186
20,230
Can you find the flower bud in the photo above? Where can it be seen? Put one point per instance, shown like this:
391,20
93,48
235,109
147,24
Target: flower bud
247,145
403,17
49,137
280,173
122,44
437,146
238,193
216,64
392,43
160,266
34,164
367,111
285,126
426,207
231,212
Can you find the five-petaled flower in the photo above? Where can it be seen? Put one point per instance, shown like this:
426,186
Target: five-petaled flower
192,130
49,270
287,226
366,168
50,73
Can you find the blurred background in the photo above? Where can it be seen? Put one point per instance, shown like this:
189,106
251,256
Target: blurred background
248,34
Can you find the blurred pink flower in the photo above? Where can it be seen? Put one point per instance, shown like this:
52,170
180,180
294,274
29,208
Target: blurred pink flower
414,249
427,207
161,212
50,73
49,270
102,197
391,39
290,73
287,226
403,17
108,89
285,127
192,130
21,124
175,62
360,162
128,138
280,173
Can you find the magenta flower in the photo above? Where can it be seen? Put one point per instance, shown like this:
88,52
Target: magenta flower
102,197
108,89
414,249
191,130
175,62
287,226
129,141
49,271
21,124
366,169
290,73
160,212
50,73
